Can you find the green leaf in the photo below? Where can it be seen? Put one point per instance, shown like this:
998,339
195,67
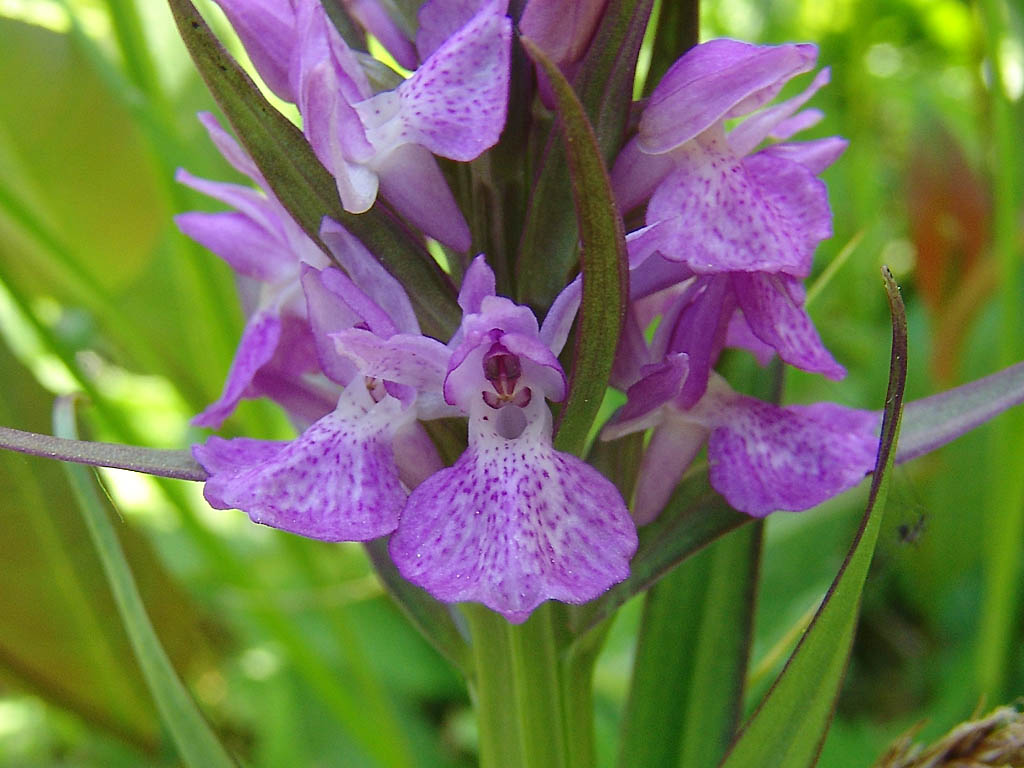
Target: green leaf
691,657
693,518
304,186
547,250
605,274
63,645
789,726
196,743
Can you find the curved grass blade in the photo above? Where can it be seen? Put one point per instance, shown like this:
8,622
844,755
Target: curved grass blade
603,264
789,726
304,186
196,743
153,461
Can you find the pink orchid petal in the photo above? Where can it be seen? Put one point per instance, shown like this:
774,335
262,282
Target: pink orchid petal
417,361
722,213
698,330
376,20
259,341
367,273
562,30
413,183
477,284
440,19
672,448
241,242
328,313
815,155
636,174
554,331
765,457
714,81
739,336
745,137
267,30
455,103
230,149
772,307
335,482
658,384
514,523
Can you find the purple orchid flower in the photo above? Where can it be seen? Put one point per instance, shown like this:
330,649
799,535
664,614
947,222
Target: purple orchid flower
513,522
264,245
345,477
761,457
729,234
453,106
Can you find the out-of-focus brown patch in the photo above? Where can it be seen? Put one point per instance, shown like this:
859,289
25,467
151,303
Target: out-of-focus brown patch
949,211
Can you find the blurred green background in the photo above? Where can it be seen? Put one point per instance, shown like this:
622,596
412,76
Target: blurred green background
290,646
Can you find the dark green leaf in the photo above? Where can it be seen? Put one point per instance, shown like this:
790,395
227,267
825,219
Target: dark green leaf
605,274
789,726
304,186
547,251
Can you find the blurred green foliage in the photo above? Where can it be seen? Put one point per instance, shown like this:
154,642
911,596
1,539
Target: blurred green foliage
99,292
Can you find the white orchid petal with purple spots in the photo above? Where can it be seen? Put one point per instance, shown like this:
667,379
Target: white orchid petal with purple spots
418,361
455,103
722,213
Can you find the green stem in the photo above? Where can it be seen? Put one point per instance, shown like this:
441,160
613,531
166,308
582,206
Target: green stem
493,690
533,699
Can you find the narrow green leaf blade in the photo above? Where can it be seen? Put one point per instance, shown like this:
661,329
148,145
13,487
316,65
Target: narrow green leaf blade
789,726
304,186
547,248
691,657
604,265
196,743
